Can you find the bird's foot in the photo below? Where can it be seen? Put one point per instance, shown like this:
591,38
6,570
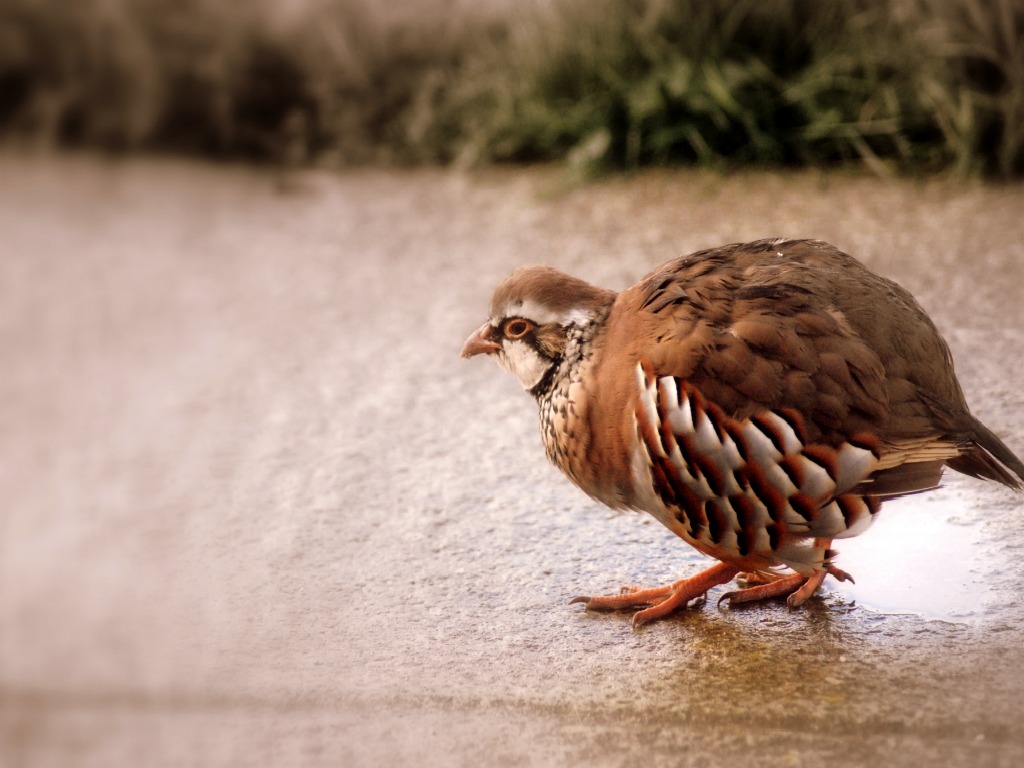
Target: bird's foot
796,587
839,574
757,578
661,601
787,585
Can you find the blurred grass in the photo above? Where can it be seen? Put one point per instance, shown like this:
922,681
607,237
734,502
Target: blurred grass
896,85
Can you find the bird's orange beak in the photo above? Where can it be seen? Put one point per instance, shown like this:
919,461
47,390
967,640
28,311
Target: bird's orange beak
479,342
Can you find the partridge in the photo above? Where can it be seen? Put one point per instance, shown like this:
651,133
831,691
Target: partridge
760,400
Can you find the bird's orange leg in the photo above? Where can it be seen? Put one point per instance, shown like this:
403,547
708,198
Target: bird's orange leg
787,585
756,578
661,600
796,587
805,590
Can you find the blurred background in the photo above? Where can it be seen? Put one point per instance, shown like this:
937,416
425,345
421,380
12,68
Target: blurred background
916,86
255,510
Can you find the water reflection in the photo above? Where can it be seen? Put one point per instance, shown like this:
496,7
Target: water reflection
922,556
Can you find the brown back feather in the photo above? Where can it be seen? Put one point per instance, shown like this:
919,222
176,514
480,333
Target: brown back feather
799,324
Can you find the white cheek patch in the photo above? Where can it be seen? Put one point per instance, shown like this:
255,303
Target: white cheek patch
523,362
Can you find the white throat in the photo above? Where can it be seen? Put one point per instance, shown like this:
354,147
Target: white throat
523,362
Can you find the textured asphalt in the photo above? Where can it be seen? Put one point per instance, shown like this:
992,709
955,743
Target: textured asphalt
256,510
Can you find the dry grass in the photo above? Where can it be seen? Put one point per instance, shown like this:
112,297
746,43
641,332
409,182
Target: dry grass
896,85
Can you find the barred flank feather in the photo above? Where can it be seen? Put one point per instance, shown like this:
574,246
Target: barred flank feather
752,486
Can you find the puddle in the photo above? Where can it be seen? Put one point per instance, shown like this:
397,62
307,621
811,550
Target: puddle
921,556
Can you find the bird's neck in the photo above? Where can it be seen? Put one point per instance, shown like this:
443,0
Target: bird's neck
560,398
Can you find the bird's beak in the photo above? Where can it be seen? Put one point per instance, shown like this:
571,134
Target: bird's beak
479,342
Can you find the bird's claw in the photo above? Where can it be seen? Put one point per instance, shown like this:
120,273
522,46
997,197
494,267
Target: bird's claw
838,574
658,602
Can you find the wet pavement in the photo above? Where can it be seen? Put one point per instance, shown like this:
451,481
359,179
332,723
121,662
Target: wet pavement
258,512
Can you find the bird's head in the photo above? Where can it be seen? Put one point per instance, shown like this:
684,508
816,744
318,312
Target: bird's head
532,311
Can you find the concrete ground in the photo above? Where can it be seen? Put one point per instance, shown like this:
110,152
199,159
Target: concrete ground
256,510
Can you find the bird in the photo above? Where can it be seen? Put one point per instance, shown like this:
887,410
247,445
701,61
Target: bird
759,399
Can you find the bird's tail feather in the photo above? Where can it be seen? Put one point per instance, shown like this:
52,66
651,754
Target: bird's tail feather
990,459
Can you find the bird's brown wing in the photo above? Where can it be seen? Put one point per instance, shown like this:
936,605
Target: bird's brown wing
799,325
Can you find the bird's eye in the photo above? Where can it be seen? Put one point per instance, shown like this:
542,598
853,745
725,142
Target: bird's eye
517,328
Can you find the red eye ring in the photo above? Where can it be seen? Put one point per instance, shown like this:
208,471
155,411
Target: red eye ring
517,327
